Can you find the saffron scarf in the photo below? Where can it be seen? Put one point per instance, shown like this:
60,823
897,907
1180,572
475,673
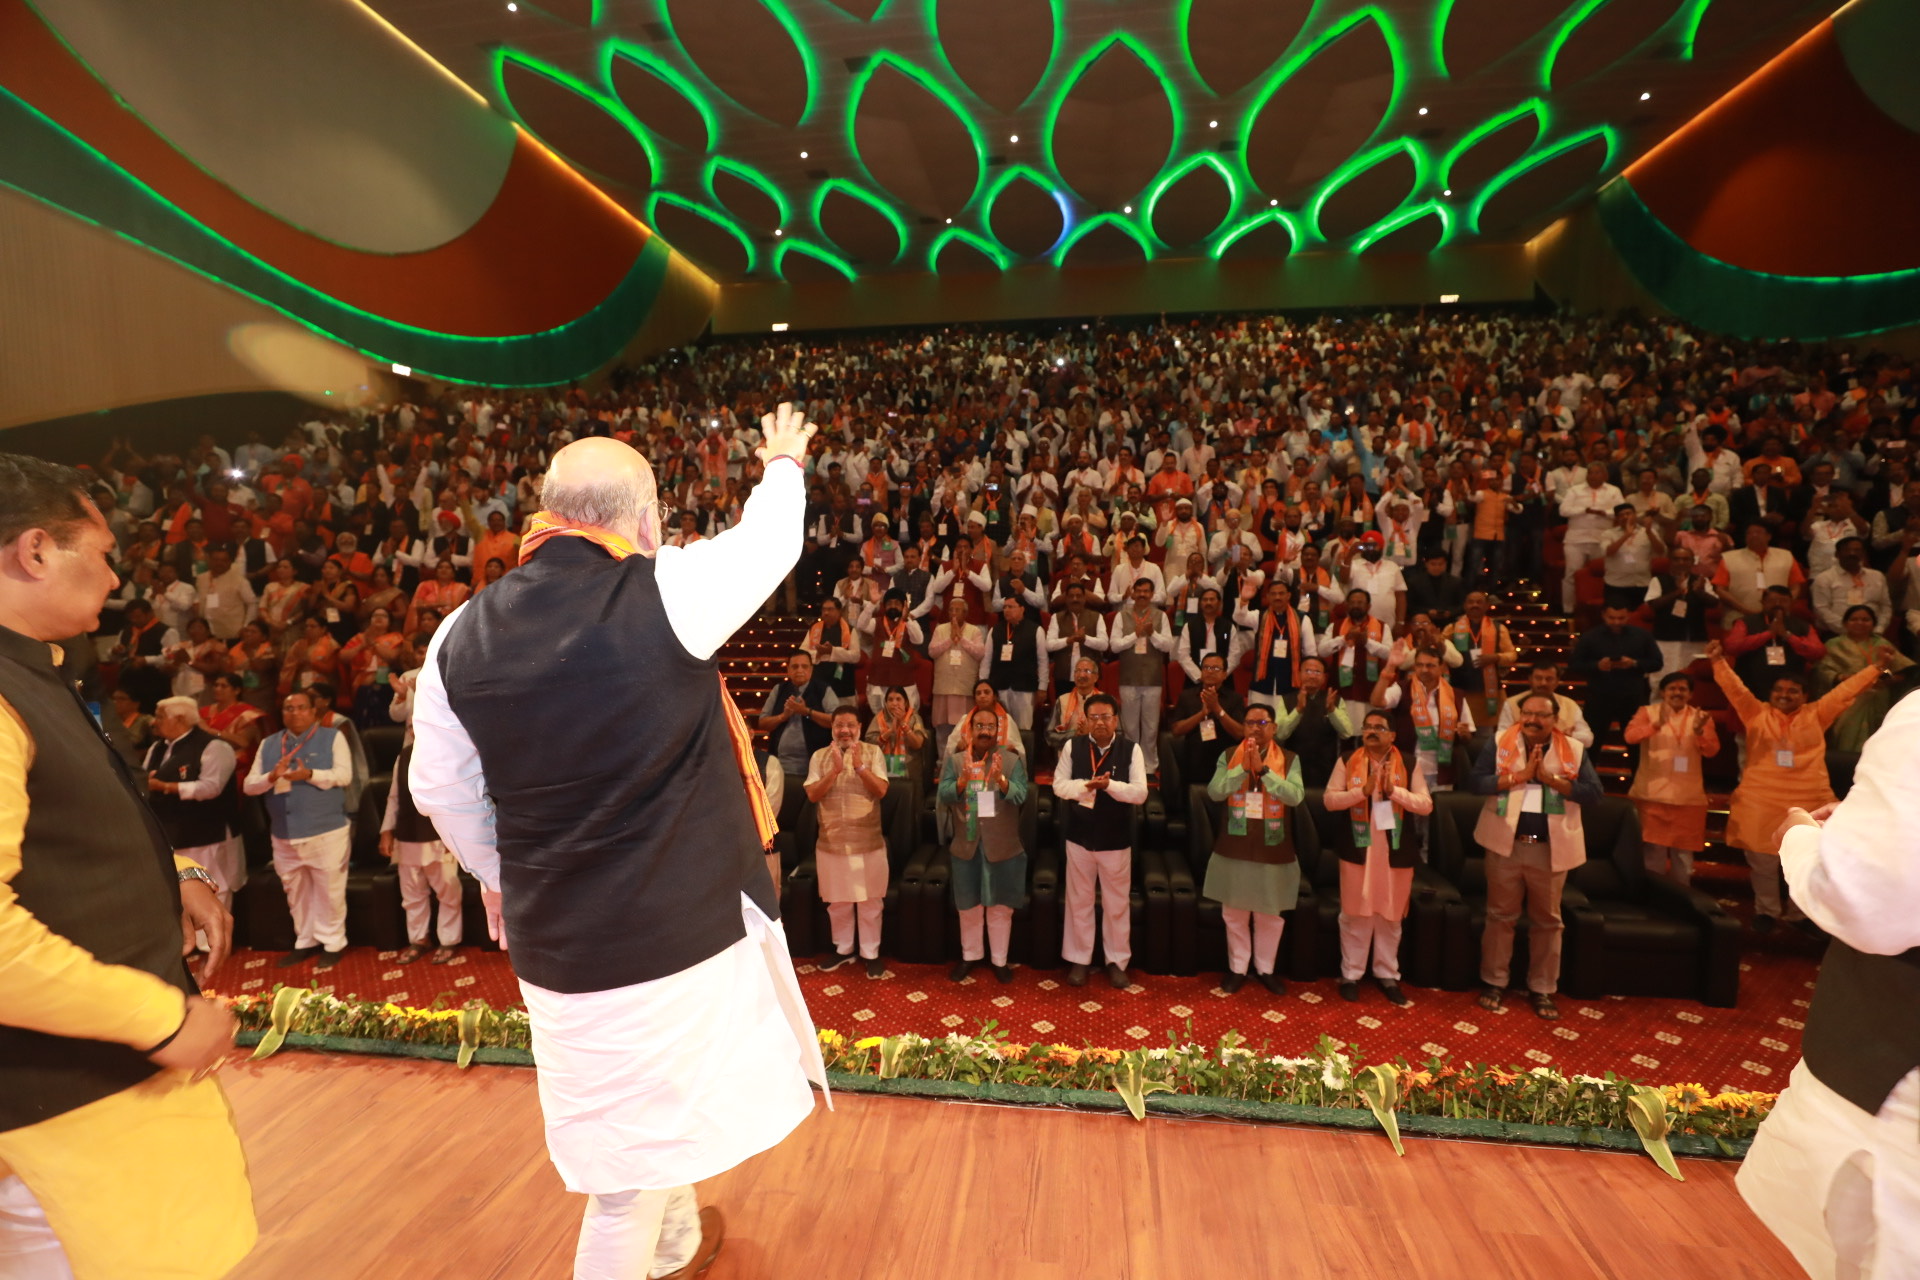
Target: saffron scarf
545,525
1360,777
1273,814
1373,663
1511,757
1271,622
1429,735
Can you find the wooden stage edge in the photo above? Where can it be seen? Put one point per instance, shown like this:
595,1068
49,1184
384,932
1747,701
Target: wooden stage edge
369,1167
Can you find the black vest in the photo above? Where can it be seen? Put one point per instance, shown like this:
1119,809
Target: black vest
1222,637
1314,740
813,694
96,869
1863,1031
1692,627
190,824
1021,673
624,831
409,824
1109,824
1413,830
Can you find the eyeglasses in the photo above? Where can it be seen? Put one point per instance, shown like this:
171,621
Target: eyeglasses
1099,715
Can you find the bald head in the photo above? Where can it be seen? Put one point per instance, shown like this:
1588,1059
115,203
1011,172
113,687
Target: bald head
601,482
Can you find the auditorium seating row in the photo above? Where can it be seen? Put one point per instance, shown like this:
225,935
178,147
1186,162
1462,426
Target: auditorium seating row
1627,933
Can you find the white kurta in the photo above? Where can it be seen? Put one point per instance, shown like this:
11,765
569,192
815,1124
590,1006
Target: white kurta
661,1083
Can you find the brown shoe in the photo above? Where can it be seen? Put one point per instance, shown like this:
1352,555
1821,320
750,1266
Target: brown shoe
412,953
1076,975
442,954
1118,977
713,1233
1544,1007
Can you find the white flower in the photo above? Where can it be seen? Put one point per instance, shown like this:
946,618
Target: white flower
1333,1074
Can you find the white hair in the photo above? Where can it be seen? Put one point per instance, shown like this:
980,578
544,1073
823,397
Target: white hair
606,503
178,706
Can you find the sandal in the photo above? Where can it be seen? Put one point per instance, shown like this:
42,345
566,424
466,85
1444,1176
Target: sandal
1544,1007
411,954
1490,998
443,954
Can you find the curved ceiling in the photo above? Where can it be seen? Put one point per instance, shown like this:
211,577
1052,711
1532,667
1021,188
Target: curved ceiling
811,139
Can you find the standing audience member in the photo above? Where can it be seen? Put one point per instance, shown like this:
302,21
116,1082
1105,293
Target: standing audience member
1379,793
797,719
1675,738
1254,873
1102,778
846,781
983,788
192,790
1615,658
429,873
303,771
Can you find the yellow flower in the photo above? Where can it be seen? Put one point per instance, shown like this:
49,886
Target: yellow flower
831,1039
871,1042
392,1011
1687,1097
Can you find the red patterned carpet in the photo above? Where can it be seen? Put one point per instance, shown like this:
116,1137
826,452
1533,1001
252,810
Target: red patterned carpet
1658,1041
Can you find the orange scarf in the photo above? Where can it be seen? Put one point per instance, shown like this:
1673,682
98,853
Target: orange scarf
1268,625
1512,754
1426,736
545,525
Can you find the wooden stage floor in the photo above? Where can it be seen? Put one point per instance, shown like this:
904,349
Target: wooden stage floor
370,1167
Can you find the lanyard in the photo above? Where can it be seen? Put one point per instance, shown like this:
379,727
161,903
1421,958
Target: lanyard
285,754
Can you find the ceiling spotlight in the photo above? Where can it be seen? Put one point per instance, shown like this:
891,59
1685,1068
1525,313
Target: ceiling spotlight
1127,209
803,155
1013,137
1272,202
512,7
949,221
400,369
1423,111
778,232
1447,192
1645,96
1213,124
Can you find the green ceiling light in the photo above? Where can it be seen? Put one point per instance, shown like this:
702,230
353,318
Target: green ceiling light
1051,119
1533,160
1205,159
1442,12
991,251
1537,107
932,8
749,175
660,69
1232,234
599,97
856,92
1422,167
782,15
714,216
867,198
1407,217
1080,232
1025,173
1396,50
1586,10
789,247
1689,26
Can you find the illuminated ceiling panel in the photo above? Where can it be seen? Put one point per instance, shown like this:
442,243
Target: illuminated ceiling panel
810,140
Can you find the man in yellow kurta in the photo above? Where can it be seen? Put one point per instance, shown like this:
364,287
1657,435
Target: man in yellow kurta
846,780
1675,736
1786,769
118,1157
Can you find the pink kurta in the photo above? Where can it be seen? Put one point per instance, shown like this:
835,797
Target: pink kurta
1374,888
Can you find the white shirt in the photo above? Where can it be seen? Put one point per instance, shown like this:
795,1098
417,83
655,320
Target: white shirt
1120,581
217,763
1073,790
1382,581
708,591
1858,876
1589,511
1571,720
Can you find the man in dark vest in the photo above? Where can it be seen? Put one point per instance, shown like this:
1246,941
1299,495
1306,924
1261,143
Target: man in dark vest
1254,873
1280,643
1387,804
1681,600
1016,660
1317,730
428,871
1140,641
1207,720
192,790
1075,631
797,719
1101,781
983,788
1835,1169
577,749
1210,631
835,647
1772,643
118,1155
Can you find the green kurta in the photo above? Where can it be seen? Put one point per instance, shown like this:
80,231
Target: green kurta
1270,888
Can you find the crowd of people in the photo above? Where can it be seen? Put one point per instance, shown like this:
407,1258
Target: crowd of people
1048,557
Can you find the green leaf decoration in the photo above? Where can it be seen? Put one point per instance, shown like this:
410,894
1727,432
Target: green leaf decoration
1131,1083
1647,1109
890,1051
1379,1088
469,1034
286,1002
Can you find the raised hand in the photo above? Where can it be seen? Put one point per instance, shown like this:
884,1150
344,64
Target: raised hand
1715,651
787,434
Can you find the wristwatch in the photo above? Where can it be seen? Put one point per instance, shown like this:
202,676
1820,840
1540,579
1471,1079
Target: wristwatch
196,873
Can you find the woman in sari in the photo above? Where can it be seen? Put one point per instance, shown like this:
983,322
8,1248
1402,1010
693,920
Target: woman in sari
900,733
439,592
985,698
282,600
195,660
1853,650
336,601
369,662
314,656
255,663
382,594
234,721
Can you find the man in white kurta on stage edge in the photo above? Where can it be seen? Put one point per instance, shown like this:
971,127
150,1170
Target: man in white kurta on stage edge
1834,1171
577,750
